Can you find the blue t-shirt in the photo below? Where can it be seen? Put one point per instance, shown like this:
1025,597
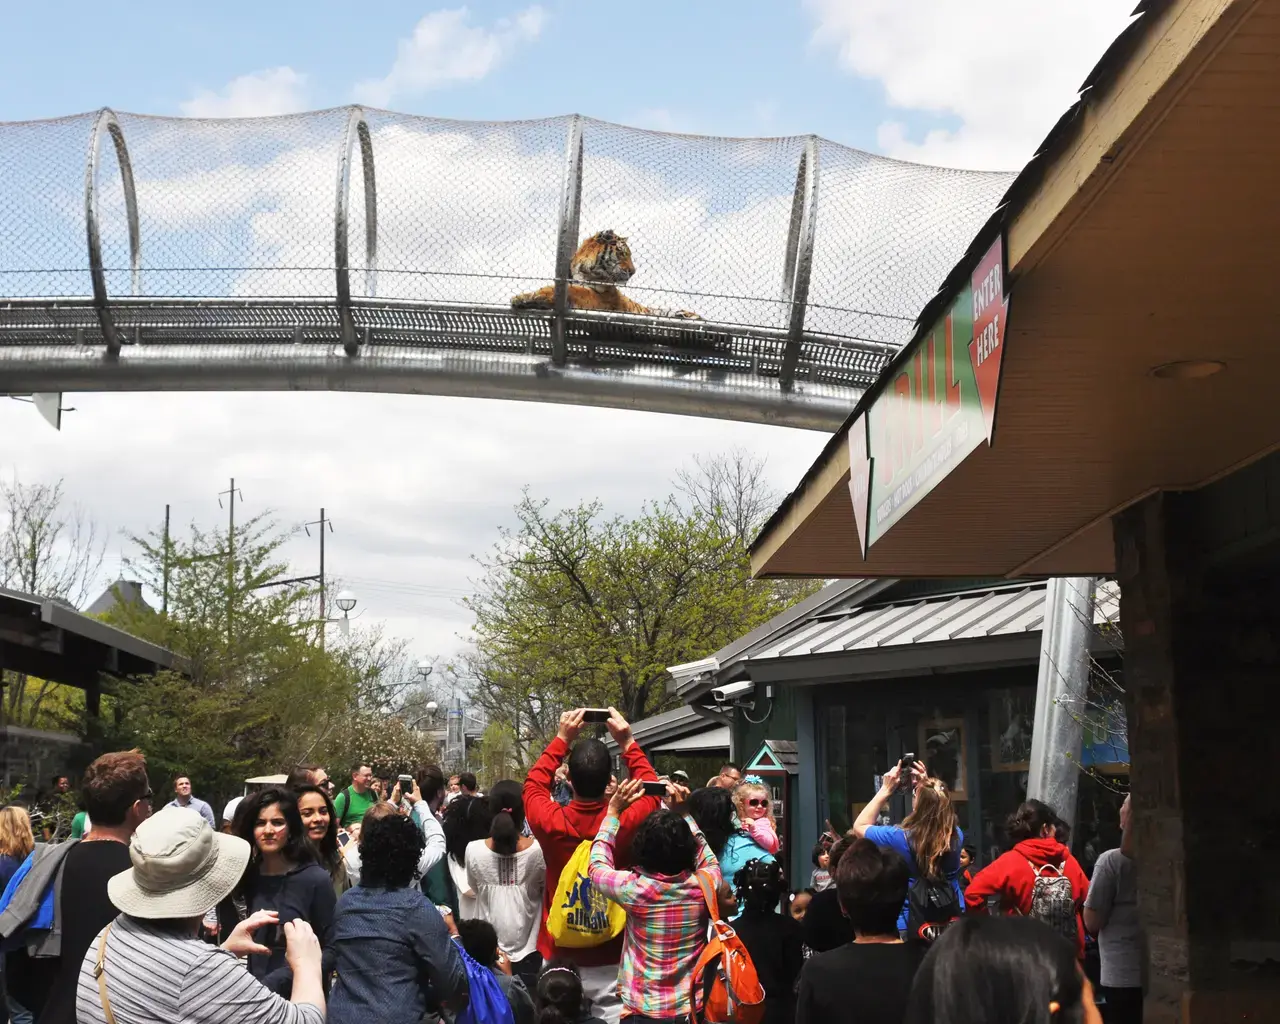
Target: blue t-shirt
898,840
739,850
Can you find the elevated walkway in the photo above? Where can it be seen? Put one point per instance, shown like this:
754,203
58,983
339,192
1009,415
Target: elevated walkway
358,249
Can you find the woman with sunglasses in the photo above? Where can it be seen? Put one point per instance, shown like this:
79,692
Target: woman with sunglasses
712,809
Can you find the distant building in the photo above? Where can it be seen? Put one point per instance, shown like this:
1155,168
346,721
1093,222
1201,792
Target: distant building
120,592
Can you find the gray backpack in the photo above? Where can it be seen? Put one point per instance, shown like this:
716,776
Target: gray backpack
1052,901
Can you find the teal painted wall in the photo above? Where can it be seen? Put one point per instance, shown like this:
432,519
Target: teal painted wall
780,725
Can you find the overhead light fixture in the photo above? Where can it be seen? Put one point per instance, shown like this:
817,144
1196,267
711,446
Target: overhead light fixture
1188,369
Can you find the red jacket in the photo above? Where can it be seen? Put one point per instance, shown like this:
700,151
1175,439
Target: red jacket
559,830
1011,877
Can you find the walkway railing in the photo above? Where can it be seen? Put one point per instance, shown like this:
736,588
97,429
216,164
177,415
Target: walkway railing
363,249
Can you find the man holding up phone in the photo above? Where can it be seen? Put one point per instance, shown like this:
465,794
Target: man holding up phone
560,831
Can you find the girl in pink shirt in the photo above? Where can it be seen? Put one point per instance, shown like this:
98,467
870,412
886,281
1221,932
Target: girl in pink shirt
754,804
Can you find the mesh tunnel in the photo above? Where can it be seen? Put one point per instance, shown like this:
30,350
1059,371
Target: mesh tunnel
354,248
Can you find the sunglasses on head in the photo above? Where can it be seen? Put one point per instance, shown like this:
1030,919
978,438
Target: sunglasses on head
757,802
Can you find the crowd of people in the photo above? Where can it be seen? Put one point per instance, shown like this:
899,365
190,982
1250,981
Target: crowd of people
568,898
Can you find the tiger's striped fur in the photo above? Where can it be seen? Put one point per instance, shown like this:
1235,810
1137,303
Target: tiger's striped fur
601,263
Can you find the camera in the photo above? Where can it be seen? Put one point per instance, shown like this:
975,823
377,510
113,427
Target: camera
724,694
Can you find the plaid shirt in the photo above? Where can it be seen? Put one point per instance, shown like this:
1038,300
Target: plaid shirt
667,921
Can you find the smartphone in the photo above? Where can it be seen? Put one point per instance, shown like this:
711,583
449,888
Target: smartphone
406,780
272,936
595,716
905,765
655,787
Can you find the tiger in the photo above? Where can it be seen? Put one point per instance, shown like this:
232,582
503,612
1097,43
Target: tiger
602,262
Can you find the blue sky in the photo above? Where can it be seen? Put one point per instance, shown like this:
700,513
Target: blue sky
416,485
749,69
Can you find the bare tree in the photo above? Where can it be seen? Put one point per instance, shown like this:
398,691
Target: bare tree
730,489
49,549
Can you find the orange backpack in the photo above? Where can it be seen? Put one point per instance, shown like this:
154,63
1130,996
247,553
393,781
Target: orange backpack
724,975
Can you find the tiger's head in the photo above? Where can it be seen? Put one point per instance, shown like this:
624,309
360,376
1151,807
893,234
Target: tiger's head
604,258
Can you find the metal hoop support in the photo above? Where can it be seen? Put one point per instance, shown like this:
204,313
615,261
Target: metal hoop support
567,239
357,130
107,121
798,267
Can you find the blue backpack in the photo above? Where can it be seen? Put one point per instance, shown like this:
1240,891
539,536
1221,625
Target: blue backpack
488,1003
41,920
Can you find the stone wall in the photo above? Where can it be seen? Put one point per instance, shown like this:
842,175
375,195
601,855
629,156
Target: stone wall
35,756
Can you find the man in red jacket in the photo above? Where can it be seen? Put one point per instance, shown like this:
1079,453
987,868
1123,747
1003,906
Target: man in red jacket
559,831
1037,852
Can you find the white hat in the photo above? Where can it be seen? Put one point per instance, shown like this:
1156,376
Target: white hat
229,811
181,867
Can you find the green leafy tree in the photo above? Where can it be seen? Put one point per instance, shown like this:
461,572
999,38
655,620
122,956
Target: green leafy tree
497,754
259,690
577,609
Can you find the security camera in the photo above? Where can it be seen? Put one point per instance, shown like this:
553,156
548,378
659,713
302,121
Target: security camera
686,673
724,694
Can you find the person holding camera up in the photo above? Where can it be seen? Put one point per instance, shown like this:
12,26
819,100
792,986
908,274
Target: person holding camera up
590,934
929,840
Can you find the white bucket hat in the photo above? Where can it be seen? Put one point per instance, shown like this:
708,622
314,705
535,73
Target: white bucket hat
229,812
181,867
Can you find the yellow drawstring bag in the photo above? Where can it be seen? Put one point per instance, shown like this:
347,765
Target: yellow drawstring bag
580,916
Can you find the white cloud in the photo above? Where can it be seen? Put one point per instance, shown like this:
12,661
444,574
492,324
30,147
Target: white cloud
445,48
467,213
414,484
274,91
1006,69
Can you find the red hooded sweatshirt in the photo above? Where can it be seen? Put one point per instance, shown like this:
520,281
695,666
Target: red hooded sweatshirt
559,830
1012,878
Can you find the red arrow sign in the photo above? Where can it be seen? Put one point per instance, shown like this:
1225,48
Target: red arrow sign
990,314
860,479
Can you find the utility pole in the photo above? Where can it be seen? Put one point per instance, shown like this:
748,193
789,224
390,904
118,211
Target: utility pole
231,553
164,604
322,522
320,578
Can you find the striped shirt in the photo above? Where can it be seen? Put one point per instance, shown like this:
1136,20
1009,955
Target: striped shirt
157,976
667,921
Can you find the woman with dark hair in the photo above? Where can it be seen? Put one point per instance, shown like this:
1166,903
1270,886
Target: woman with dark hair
1001,971
467,819
1038,878
868,979
775,941
929,840
666,905
284,876
315,808
507,873
712,808
393,950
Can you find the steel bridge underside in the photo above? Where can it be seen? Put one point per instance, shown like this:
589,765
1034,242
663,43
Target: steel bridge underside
694,368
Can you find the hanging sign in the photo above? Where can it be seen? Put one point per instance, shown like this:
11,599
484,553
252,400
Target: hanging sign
937,408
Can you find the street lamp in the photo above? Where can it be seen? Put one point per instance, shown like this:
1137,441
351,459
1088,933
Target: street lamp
345,601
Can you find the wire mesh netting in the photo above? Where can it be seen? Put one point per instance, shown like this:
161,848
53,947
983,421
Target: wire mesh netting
445,221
